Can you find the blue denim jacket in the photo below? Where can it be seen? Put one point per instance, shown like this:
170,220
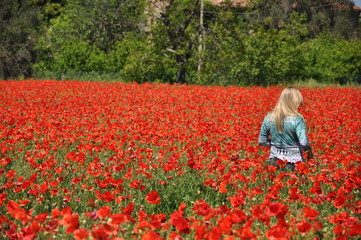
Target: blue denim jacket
289,144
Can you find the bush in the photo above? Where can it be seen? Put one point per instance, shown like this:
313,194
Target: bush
73,55
144,62
332,60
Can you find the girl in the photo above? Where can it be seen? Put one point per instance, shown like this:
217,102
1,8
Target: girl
284,130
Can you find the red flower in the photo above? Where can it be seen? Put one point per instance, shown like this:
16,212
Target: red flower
55,213
54,192
339,201
246,233
103,212
339,218
15,211
136,183
338,229
118,218
310,213
181,224
107,196
24,202
129,209
81,233
316,189
191,163
257,191
41,217
238,216
277,209
355,230
75,180
157,220
201,208
153,197
215,234
103,231
237,201
151,236
259,213
71,221
2,198
304,227
54,183
277,233
294,193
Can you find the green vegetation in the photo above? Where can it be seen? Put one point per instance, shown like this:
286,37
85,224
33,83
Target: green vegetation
263,43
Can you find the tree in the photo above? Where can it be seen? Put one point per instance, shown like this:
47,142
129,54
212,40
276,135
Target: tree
18,24
225,31
338,17
49,8
179,23
88,29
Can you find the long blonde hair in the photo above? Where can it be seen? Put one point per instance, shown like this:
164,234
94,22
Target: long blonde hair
287,105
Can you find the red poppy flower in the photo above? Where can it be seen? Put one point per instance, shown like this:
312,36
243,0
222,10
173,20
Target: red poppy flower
304,227
71,222
277,209
157,220
181,224
355,230
294,193
16,211
103,231
201,208
129,208
151,236
55,213
310,213
2,198
103,212
81,233
41,217
118,218
276,233
339,201
153,197
246,233
75,180
237,201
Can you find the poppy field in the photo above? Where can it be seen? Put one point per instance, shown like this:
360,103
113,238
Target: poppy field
96,160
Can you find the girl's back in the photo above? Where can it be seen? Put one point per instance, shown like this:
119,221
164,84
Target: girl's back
284,129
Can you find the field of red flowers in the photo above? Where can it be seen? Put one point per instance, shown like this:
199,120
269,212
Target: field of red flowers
86,160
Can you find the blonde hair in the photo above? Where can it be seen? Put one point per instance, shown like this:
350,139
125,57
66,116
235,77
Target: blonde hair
287,105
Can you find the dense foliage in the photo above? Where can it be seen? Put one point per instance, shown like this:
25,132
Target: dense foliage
263,43
157,161
18,22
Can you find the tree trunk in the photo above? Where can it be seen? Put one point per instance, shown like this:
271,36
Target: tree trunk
181,72
181,75
153,10
5,74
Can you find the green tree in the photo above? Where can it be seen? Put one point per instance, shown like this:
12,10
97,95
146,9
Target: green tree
264,43
18,24
144,61
49,8
103,23
178,32
332,60
224,45
338,17
97,26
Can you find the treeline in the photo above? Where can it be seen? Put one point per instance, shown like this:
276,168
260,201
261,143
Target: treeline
263,42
